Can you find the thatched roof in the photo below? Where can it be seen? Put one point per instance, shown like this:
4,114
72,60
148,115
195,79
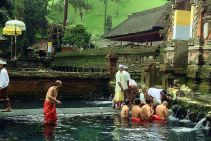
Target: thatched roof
141,22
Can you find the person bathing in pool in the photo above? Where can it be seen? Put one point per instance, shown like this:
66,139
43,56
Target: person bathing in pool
147,111
125,109
50,115
161,111
136,111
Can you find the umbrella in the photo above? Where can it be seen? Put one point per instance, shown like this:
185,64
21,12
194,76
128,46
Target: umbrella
14,27
16,23
11,30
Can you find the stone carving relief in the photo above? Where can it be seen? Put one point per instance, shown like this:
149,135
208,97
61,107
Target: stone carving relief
151,59
193,57
169,58
207,57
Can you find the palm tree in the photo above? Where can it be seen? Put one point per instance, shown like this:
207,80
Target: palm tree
79,5
105,13
117,9
65,12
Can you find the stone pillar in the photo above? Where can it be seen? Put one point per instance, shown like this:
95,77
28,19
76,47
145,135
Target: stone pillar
142,76
169,56
195,46
205,85
148,79
112,61
165,83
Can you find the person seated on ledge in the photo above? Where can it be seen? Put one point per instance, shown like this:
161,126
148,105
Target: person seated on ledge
161,111
146,110
50,115
125,109
136,111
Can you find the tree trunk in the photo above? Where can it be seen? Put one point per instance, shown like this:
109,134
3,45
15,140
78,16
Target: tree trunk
117,9
106,5
74,17
65,12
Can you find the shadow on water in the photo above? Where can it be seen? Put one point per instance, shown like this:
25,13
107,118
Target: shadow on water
98,127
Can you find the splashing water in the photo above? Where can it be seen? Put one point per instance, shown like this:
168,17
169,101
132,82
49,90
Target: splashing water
200,124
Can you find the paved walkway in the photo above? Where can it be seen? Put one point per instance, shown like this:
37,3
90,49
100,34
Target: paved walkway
85,110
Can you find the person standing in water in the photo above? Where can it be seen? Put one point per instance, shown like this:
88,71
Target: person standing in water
119,91
125,82
50,115
4,82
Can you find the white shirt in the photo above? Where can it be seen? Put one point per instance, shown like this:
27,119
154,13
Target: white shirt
4,78
155,93
126,78
132,82
118,79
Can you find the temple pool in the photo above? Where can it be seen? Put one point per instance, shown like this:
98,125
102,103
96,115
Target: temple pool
98,126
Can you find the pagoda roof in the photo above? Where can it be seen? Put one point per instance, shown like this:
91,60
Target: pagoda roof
141,25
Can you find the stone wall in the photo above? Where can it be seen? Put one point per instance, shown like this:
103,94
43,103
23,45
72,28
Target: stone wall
192,109
137,64
74,86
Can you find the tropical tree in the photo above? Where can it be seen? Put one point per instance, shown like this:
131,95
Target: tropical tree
65,12
117,9
34,17
19,9
6,11
79,5
77,36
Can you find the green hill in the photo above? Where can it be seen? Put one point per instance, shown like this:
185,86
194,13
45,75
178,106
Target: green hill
94,18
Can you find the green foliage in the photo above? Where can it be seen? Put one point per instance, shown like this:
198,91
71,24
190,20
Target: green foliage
34,17
6,11
19,9
77,36
106,51
23,44
108,23
80,5
97,57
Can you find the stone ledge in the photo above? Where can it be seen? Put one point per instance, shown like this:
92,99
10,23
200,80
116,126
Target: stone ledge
60,111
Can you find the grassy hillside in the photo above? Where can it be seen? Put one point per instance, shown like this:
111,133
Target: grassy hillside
94,19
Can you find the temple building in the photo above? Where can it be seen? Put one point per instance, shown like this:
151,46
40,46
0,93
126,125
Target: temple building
183,29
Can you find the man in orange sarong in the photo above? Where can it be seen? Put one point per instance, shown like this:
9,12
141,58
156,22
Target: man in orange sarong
50,103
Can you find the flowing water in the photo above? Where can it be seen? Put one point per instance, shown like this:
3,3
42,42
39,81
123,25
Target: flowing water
97,127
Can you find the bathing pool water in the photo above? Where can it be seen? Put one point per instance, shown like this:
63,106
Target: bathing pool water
97,127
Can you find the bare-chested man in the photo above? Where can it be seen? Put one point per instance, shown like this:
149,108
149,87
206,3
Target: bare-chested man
162,110
50,102
146,110
125,109
136,111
